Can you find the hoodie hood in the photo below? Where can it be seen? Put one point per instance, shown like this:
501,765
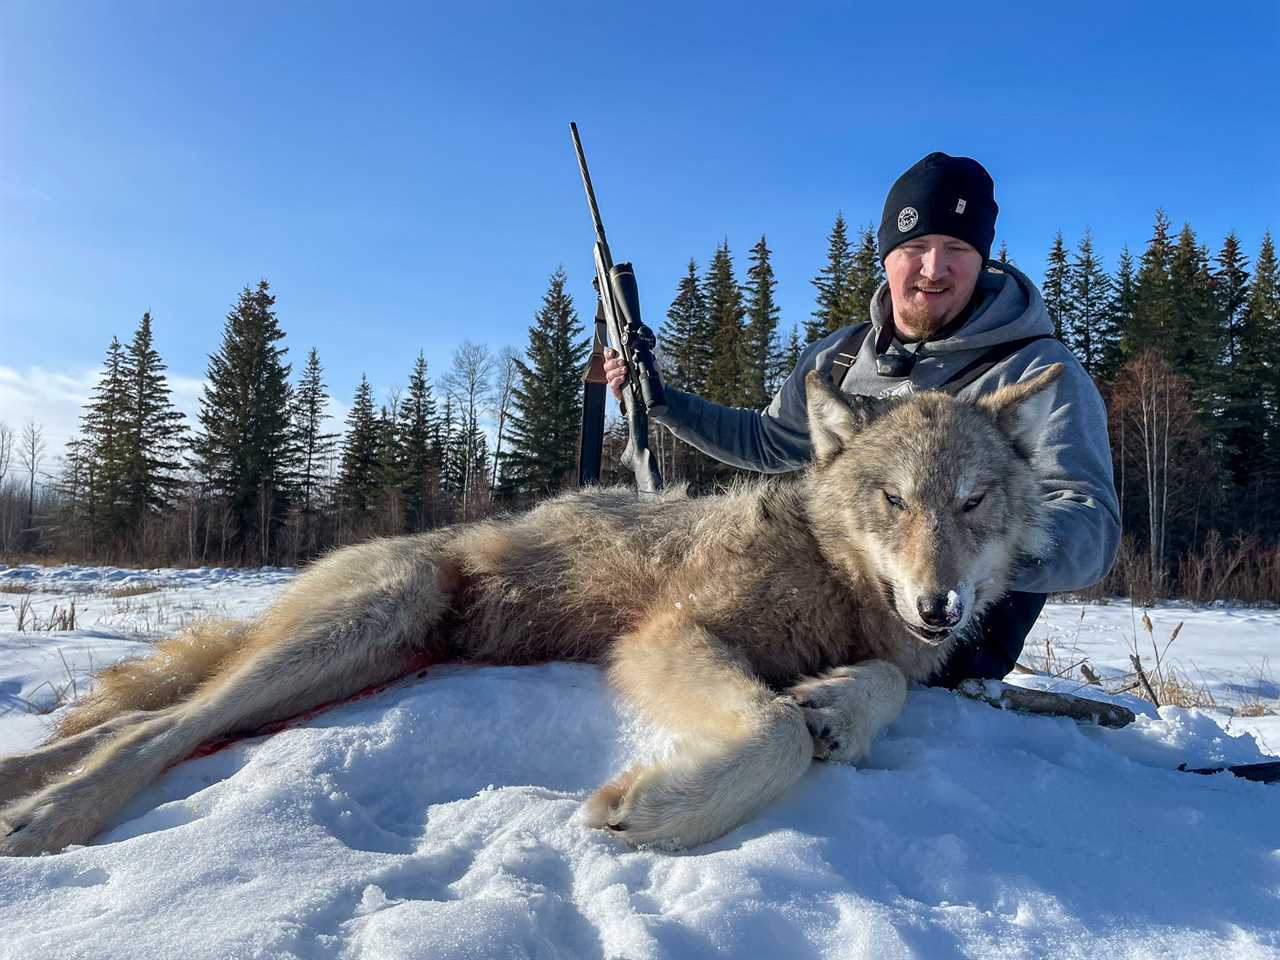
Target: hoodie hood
1006,306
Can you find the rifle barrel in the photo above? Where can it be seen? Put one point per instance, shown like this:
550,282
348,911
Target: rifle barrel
591,196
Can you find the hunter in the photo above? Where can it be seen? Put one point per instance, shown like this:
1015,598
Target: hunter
946,316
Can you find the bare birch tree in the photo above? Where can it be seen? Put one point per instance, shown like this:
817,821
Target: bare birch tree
31,453
508,375
468,382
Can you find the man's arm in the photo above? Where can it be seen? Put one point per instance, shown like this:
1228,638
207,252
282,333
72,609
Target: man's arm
772,440
1074,460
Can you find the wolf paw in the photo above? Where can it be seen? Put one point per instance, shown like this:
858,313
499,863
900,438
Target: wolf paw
837,736
33,827
628,809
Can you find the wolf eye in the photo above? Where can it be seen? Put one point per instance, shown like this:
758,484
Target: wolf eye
895,501
973,502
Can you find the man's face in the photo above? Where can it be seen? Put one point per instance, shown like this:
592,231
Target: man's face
931,279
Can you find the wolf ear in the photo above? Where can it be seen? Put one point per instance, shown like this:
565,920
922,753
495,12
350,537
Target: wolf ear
834,419
1022,409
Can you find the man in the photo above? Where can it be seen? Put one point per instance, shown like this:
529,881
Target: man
944,317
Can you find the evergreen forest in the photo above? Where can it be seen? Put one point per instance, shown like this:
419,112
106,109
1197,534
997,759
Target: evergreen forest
1183,342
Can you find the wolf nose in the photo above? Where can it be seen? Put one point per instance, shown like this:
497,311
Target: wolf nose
935,611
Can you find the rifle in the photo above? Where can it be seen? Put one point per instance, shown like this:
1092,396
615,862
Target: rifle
618,316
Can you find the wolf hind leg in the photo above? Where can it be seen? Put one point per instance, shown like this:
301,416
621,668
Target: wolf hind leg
847,707
23,773
742,744
315,646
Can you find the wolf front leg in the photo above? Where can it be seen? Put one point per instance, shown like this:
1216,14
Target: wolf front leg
846,707
742,745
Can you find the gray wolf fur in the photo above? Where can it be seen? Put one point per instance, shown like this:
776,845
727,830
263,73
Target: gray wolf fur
769,626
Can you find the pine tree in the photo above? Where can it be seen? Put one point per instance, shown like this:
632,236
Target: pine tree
358,477
728,342
243,446
1087,324
1003,255
684,339
1056,284
833,309
313,447
865,276
761,333
419,447
547,405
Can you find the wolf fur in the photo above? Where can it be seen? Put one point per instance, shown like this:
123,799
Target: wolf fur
768,626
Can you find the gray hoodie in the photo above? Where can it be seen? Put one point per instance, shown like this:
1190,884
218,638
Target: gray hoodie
1078,488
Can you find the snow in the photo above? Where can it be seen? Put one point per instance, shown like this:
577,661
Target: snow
438,819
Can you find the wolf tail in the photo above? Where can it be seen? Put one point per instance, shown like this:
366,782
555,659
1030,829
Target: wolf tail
171,674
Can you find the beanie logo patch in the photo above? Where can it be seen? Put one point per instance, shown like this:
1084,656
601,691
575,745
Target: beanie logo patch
960,205
907,218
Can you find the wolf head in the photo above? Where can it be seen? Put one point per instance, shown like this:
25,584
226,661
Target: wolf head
930,501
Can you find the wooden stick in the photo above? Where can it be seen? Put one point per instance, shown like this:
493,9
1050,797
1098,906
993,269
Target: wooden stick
1142,678
1042,701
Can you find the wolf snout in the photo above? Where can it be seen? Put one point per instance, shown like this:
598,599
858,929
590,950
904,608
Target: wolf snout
939,610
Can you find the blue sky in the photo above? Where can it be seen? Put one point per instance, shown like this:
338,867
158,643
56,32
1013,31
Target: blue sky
403,173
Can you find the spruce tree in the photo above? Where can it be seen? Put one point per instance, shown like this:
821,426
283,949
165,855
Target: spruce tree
358,477
790,359
154,428
865,276
684,338
1231,295
105,450
243,447
312,446
546,412
761,333
449,447
834,306
419,447
1152,307
728,341
1087,324
1260,347
1243,417
1195,343
1120,309
1057,279
1003,255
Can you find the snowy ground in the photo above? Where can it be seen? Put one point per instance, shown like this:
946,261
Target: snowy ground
437,819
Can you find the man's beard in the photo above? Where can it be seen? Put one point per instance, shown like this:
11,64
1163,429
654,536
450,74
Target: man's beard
925,319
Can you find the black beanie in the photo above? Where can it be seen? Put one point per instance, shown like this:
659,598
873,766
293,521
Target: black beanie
953,196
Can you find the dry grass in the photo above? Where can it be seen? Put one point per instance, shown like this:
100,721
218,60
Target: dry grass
1158,679
64,693
133,590
16,588
27,620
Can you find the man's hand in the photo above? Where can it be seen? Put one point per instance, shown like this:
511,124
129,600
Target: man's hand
615,372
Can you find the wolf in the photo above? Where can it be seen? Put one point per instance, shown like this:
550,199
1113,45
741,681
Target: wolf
774,624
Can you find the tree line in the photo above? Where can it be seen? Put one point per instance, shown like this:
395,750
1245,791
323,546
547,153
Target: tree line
1184,345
